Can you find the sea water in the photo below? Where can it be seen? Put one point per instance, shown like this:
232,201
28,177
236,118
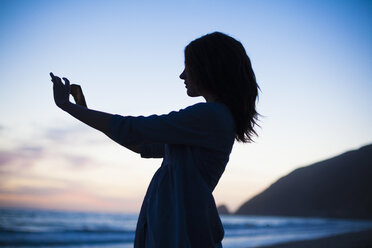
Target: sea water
41,228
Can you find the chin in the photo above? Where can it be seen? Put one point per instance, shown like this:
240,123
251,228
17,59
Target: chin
192,94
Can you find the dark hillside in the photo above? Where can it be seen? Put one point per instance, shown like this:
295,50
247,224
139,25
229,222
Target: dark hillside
338,187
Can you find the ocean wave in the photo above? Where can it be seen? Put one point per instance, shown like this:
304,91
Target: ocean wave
68,230
65,238
31,229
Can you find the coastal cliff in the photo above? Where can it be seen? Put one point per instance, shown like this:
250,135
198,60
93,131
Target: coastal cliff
339,187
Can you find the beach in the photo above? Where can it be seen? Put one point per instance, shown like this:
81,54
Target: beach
361,239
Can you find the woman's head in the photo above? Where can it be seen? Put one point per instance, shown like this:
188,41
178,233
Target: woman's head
218,66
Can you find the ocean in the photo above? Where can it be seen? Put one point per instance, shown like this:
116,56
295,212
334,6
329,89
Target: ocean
42,229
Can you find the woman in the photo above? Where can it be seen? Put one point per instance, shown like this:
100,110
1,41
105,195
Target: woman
195,143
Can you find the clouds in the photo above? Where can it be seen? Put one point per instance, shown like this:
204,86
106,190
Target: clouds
44,192
68,144
36,164
57,135
65,135
23,154
77,135
33,191
65,168
6,157
26,156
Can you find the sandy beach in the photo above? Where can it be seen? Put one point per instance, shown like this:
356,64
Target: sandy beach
362,239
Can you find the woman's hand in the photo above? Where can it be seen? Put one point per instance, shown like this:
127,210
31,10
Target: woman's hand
61,91
96,119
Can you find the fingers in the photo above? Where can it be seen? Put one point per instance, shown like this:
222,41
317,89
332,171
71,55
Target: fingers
74,89
57,80
52,76
67,82
76,92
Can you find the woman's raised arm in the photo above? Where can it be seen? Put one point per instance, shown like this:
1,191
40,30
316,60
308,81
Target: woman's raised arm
95,119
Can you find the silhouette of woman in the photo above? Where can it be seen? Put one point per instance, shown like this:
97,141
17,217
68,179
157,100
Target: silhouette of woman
195,143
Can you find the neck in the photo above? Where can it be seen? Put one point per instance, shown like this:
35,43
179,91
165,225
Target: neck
209,98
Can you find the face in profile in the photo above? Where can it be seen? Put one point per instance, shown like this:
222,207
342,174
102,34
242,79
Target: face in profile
191,87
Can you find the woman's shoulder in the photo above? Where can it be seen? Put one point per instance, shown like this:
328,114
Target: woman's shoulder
213,111
209,108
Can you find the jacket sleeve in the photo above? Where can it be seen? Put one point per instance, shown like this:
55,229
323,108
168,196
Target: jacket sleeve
198,125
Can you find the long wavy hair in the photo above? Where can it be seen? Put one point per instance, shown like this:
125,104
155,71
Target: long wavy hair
219,65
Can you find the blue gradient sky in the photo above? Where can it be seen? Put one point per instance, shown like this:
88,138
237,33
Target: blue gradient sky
312,60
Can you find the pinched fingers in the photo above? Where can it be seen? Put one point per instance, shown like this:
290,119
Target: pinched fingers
67,84
76,91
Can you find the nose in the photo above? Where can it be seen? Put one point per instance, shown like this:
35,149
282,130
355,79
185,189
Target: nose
183,75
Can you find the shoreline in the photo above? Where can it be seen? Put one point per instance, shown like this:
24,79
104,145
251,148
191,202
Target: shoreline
359,239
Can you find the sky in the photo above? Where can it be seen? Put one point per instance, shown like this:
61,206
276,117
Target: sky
312,61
